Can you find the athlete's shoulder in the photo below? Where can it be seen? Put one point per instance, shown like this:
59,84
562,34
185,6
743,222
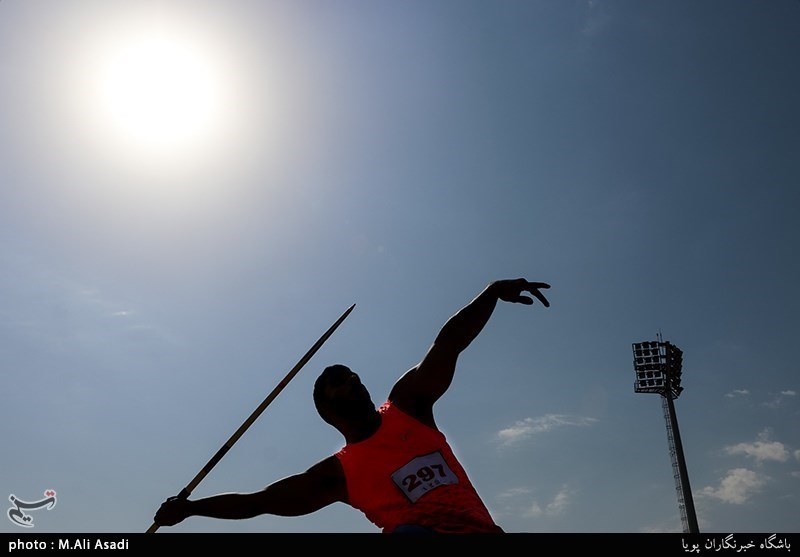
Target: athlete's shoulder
329,468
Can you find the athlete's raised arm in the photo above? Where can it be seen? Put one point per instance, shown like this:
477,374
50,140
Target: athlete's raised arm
421,386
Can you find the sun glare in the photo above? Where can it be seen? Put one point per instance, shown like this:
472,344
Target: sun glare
157,102
158,92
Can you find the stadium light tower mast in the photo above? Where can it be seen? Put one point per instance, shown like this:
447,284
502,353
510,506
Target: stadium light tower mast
658,367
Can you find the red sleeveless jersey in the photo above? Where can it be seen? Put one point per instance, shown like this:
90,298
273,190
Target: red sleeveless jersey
406,473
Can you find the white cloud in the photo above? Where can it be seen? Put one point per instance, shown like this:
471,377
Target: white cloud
779,399
737,392
555,507
560,502
797,455
761,450
520,502
531,426
776,401
514,492
737,487
535,510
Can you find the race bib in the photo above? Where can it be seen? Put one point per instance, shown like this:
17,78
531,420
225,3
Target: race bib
423,474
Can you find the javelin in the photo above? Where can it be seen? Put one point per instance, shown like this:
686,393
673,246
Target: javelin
186,491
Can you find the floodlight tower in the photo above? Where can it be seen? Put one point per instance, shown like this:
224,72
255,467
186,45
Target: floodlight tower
658,367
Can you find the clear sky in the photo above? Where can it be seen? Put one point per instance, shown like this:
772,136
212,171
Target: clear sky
191,192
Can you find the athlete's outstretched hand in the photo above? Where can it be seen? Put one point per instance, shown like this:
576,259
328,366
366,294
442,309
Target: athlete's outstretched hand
511,291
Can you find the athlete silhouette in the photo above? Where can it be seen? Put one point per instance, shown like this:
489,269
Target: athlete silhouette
396,466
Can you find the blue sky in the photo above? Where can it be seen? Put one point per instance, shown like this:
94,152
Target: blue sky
192,192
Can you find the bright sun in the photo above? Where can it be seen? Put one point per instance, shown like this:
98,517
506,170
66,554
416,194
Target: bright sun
164,99
158,92
154,105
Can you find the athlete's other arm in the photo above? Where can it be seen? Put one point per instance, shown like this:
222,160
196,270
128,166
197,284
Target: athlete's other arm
421,386
300,494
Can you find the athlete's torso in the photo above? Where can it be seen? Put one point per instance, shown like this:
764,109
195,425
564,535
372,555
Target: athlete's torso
406,473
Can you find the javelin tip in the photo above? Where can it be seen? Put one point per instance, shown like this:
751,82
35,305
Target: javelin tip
344,316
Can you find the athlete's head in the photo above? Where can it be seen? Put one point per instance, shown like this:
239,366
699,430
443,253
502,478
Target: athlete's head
338,393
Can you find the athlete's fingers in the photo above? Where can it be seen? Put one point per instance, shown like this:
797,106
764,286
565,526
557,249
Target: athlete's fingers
533,288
